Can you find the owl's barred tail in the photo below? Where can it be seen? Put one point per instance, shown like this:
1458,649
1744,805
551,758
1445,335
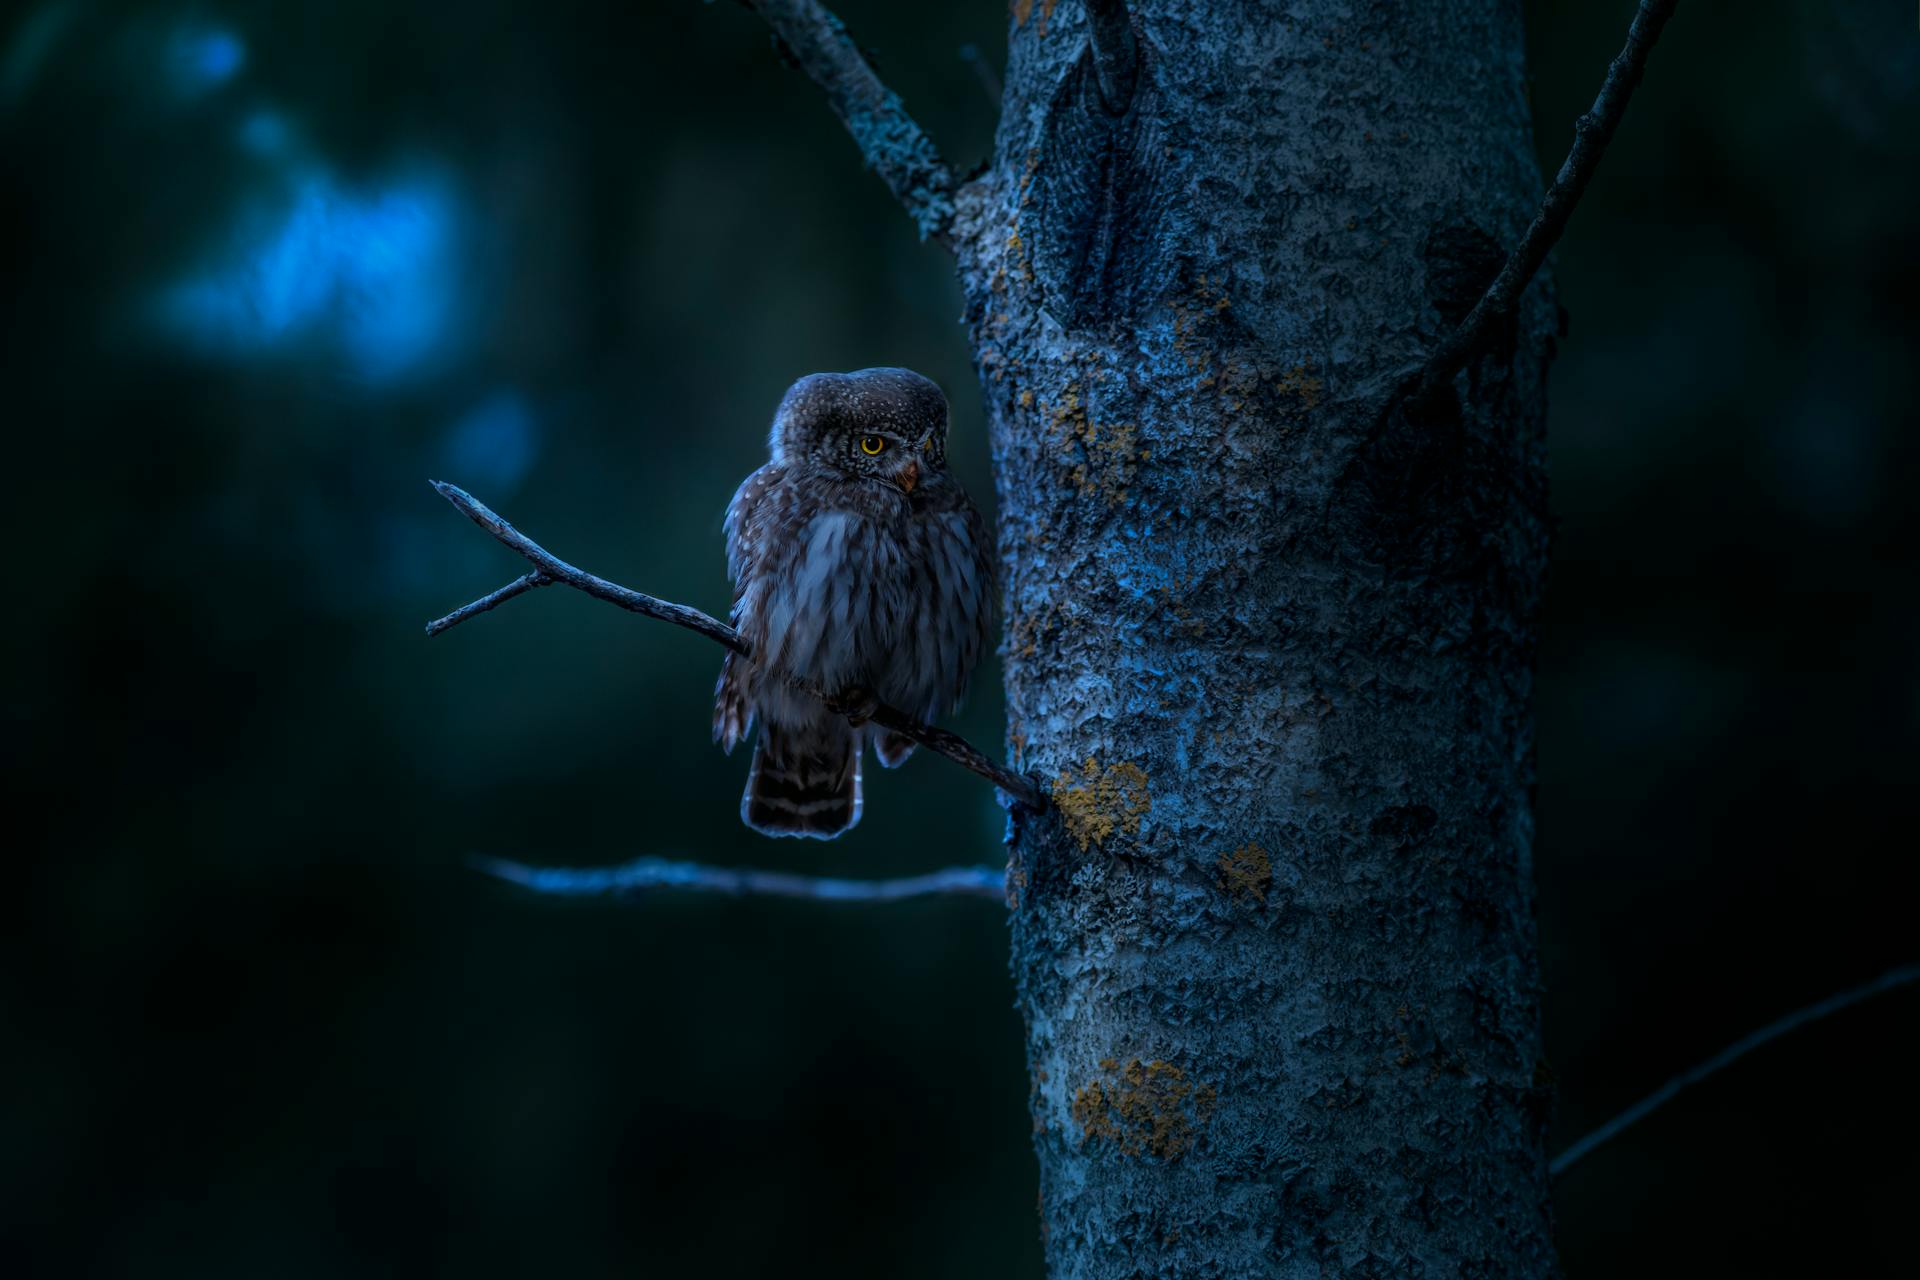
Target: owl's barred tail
802,784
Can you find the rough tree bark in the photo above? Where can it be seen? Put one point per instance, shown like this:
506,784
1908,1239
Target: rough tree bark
1269,633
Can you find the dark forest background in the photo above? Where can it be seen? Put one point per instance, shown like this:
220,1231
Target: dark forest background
269,267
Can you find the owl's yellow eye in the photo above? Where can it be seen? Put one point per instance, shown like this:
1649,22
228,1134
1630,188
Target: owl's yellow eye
872,445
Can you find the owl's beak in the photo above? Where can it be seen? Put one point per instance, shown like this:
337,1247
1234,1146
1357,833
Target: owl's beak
907,476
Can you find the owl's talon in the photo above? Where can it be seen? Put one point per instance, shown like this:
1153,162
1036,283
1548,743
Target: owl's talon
856,702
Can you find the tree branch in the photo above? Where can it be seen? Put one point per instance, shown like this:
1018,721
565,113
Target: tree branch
635,878
492,600
893,145
557,570
551,569
1116,54
1886,982
1591,134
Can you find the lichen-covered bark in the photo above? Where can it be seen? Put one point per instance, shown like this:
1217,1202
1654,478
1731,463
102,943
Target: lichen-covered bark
1270,645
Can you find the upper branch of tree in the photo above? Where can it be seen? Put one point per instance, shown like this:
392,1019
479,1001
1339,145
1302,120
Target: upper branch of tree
1591,134
643,874
1886,982
893,145
549,569
1116,53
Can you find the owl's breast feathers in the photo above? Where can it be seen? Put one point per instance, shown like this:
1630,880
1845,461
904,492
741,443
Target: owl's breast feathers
840,584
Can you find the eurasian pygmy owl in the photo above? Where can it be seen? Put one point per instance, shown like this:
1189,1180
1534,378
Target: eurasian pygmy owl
858,563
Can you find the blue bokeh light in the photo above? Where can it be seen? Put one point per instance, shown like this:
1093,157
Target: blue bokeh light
493,444
200,59
372,274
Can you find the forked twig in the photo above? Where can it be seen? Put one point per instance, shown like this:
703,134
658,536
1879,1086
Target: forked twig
551,570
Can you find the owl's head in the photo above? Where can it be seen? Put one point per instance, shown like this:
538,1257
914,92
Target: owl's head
884,425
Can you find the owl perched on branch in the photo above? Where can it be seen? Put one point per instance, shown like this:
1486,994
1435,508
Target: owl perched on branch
861,568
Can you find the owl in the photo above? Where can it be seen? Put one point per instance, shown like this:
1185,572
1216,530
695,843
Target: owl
859,566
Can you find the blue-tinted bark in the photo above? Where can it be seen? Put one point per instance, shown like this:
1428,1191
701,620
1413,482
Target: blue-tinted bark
1269,641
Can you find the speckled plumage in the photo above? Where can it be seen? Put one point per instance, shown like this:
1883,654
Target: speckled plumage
851,570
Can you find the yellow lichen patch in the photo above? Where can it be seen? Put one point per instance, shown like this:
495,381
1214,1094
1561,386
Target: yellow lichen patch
1102,802
1021,10
1111,459
1101,458
1211,298
1014,256
1297,381
1187,316
1026,632
1246,873
1151,1109
1068,418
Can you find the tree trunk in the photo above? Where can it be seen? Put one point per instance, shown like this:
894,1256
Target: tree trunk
1270,643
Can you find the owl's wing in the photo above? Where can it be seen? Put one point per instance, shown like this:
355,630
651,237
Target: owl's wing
746,525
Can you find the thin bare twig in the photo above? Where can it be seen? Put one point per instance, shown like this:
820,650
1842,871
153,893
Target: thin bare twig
551,569
1116,54
559,571
1886,982
893,145
1591,134
643,874
492,600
